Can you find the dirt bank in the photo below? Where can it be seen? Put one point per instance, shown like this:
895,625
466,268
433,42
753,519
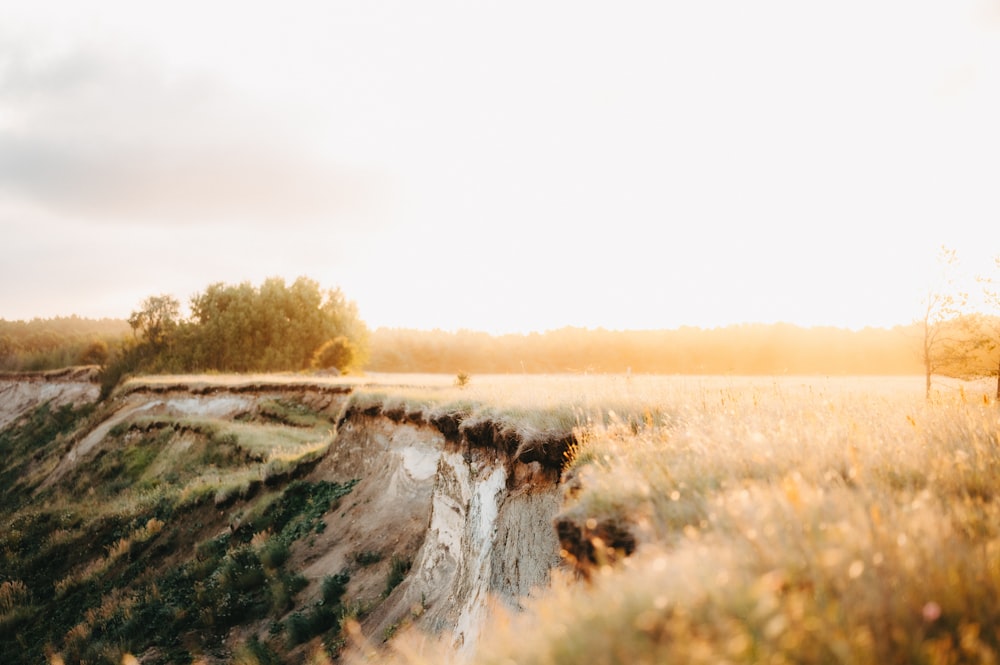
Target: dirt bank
473,523
21,393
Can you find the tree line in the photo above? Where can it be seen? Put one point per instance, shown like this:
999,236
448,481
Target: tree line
243,328
739,349
956,334
278,327
41,344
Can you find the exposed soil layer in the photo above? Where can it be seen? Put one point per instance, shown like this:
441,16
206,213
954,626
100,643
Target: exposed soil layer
451,508
22,393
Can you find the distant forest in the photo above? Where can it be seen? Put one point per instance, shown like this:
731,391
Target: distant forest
740,349
42,344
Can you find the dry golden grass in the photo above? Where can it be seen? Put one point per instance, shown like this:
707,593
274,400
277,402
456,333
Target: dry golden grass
13,594
779,520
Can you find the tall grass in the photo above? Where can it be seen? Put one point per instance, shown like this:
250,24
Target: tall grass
776,521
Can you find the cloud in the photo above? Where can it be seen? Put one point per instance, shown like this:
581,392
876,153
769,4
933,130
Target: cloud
108,134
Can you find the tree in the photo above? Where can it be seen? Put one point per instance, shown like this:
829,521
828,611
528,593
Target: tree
157,317
274,327
942,306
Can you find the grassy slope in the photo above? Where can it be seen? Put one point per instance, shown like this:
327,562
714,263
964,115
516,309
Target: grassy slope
176,531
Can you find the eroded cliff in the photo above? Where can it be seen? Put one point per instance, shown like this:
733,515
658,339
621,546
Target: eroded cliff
174,493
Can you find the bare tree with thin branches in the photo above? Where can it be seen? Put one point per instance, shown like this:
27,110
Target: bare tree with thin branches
942,304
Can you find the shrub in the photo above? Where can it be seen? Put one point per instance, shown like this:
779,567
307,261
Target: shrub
241,570
283,589
274,553
397,573
298,628
252,652
96,353
367,558
339,353
334,587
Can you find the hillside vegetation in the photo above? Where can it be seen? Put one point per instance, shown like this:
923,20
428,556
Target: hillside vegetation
130,545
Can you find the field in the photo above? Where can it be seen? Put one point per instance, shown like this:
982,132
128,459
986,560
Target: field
778,520
701,519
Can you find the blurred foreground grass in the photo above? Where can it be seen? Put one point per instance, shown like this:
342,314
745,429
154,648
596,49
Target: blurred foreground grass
788,520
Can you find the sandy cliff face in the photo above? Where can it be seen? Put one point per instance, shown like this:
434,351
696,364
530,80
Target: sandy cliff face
479,522
22,393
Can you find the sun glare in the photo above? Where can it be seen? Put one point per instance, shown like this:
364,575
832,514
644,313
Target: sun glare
653,166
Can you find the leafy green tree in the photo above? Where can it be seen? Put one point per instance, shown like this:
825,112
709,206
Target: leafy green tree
156,319
274,327
241,328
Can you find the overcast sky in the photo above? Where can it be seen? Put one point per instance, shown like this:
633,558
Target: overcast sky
503,166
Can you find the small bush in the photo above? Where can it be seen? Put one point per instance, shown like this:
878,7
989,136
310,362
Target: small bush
303,626
283,589
298,628
397,573
96,353
274,553
241,570
334,587
212,548
300,509
367,558
252,652
338,353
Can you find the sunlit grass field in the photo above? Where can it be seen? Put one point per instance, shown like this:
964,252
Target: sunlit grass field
778,520
774,519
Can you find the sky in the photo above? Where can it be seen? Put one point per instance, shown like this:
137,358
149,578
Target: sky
504,166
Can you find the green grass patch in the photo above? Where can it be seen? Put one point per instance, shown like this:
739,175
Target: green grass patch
324,615
292,413
299,510
398,568
40,434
